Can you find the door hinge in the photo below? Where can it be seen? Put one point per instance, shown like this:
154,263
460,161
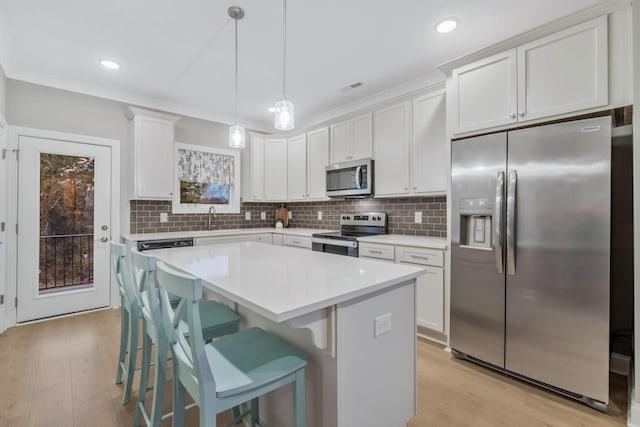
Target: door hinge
1,299
16,228
16,302
2,226
4,153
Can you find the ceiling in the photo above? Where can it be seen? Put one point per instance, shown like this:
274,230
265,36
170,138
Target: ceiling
178,55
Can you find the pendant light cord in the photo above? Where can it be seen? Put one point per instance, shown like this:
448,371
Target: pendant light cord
284,48
236,109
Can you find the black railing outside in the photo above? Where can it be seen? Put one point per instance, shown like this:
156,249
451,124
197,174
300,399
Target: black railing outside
66,260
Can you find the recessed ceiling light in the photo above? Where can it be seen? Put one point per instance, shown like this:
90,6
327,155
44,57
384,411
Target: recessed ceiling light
107,63
271,109
446,25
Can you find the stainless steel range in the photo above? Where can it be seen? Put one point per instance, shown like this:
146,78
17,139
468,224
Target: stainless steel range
352,226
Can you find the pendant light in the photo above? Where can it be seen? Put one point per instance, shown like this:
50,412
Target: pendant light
236,132
284,107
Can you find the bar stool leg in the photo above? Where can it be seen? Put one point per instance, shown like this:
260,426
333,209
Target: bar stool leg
298,400
159,381
133,352
124,338
144,375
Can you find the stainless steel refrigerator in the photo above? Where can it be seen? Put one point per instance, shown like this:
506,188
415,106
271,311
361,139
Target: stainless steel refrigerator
530,255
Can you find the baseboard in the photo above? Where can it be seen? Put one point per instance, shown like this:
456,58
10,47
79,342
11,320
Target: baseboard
432,335
620,364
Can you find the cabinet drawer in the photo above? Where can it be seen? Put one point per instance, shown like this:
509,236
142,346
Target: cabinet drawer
264,238
419,256
370,250
300,242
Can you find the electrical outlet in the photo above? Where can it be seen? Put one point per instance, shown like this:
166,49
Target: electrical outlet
247,216
263,215
290,215
319,215
164,217
382,324
418,218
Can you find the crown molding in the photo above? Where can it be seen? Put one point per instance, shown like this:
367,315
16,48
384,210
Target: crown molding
131,99
406,88
537,33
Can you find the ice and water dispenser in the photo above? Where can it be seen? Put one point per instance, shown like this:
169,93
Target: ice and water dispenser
475,223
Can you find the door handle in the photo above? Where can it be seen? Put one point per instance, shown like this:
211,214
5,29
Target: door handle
359,177
497,223
104,239
511,222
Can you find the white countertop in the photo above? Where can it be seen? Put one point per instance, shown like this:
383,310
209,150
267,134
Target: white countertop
281,283
400,239
307,232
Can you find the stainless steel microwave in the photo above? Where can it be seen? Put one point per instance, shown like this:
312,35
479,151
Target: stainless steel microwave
350,179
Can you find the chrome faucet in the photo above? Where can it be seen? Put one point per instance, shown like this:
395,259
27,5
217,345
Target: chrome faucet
212,210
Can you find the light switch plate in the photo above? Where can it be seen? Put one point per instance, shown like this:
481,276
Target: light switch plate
418,218
382,324
247,216
263,215
290,215
164,217
319,215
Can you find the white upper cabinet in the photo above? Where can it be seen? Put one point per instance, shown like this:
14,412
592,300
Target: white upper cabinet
257,167
410,147
352,139
153,167
297,168
391,142
486,92
361,137
317,161
564,72
275,168
429,163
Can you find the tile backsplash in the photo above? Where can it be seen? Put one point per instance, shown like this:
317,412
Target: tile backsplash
145,215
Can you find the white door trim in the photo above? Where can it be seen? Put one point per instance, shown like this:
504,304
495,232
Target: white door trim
15,132
5,199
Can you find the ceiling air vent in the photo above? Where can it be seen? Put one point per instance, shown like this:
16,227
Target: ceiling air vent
351,86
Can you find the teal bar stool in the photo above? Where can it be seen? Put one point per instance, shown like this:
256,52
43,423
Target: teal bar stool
217,320
129,314
229,371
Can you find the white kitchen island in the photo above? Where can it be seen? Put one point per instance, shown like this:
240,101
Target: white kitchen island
355,318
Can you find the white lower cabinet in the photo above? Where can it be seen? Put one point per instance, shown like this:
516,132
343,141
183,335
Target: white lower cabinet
429,287
277,239
261,237
297,241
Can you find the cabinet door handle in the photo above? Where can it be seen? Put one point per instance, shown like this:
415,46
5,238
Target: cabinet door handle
415,188
375,251
424,258
521,113
512,115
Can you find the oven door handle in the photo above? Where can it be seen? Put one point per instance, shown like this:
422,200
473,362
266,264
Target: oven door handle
335,242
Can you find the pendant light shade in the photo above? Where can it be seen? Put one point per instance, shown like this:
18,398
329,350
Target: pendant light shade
236,132
284,114
236,136
284,107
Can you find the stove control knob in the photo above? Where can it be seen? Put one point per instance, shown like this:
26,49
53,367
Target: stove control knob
379,218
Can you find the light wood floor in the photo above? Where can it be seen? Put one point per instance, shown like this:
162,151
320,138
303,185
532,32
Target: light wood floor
61,373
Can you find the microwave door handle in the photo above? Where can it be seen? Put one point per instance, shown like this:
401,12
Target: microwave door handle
359,177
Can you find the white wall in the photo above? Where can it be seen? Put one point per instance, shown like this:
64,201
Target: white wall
43,107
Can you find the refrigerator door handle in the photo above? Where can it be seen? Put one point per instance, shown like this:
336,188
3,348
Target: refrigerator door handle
497,222
511,222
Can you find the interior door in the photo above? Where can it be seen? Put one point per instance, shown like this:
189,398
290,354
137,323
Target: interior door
557,292
64,226
477,281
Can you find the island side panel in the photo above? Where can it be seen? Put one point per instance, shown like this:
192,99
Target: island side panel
276,408
377,374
